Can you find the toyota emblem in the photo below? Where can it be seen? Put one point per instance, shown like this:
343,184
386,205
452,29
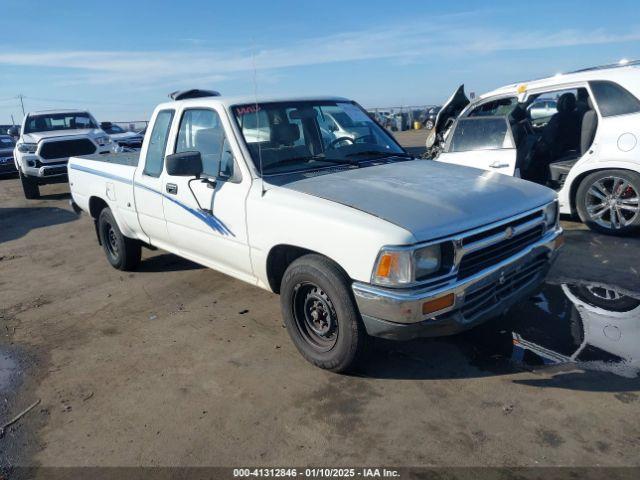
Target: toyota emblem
508,232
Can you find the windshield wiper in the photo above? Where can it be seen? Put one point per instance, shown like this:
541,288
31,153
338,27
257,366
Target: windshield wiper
379,153
319,158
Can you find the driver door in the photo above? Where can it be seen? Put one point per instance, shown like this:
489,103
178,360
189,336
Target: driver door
482,142
206,217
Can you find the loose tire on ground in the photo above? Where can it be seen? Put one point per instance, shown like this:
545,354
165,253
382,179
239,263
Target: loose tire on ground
320,313
29,186
607,201
122,253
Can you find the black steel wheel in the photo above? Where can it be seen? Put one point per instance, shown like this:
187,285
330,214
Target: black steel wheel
321,315
122,253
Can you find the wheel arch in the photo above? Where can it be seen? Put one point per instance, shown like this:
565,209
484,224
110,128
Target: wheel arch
575,183
281,256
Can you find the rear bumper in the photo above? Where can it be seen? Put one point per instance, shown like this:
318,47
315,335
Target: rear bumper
397,313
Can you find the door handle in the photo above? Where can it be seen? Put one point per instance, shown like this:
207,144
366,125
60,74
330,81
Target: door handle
172,188
497,164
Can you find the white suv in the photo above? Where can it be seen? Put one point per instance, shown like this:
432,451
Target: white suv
587,149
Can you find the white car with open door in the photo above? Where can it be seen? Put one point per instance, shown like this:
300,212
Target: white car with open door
587,149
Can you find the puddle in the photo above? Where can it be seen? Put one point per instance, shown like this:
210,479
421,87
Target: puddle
8,371
582,326
594,326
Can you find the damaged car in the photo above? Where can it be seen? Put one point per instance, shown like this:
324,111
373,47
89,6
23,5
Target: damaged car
576,133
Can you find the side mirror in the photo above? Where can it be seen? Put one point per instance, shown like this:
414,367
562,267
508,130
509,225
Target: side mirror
13,131
184,164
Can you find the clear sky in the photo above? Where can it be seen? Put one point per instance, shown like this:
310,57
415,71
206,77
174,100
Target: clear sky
119,58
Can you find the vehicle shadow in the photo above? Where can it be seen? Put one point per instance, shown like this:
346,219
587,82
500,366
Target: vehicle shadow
16,222
56,196
167,262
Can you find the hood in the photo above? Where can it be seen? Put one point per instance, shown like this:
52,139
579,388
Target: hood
429,199
450,110
35,137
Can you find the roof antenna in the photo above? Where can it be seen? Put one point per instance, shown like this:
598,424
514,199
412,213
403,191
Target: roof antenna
255,94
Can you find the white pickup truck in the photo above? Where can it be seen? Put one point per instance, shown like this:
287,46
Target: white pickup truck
48,139
359,238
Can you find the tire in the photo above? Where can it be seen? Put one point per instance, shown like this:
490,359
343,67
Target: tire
314,288
617,192
29,186
122,253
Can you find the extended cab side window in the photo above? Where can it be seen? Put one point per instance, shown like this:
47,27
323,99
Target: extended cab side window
158,143
613,99
201,130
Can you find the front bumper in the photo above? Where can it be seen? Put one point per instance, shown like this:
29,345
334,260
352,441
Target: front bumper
397,313
7,165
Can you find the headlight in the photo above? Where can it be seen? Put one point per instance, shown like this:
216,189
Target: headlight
551,214
103,139
397,267
426,261
27,147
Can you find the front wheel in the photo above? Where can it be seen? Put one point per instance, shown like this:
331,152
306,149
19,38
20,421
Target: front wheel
608,201
321,315
123,253
29,186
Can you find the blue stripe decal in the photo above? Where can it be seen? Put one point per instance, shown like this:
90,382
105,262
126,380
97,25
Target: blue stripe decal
211,220
101,174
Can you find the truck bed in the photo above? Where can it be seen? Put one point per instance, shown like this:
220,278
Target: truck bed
123,158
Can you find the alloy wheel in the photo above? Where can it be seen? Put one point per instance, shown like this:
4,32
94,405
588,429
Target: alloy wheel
612,202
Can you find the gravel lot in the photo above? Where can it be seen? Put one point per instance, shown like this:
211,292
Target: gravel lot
176,364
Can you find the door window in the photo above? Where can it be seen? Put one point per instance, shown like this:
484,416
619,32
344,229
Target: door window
201,130
158,143
495,108
481,133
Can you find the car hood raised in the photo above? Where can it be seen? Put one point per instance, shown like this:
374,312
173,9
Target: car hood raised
35,137
429,199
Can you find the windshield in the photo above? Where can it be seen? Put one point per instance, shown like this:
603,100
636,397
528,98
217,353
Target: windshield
6,142
58,121
297,136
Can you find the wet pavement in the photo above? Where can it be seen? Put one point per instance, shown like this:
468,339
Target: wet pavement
586,326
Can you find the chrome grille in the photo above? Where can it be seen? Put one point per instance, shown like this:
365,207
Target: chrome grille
481,299
482,258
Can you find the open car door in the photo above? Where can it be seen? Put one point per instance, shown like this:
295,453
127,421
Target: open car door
481,142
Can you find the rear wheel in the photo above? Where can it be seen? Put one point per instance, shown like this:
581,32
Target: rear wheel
29,186
123,253
609,201
321,315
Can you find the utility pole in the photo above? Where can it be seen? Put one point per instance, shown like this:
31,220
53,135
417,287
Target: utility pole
21,103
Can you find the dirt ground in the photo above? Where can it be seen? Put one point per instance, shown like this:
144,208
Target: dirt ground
179,365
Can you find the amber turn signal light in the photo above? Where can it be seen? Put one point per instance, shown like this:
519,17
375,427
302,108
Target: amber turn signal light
438,304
